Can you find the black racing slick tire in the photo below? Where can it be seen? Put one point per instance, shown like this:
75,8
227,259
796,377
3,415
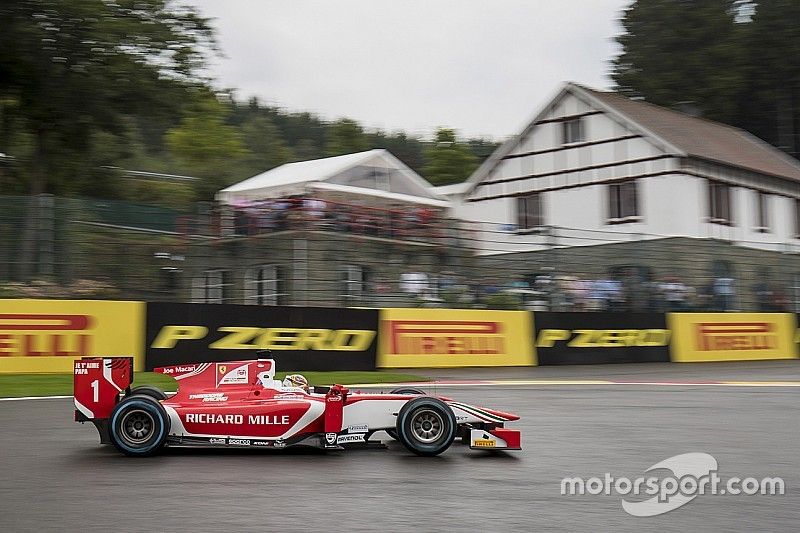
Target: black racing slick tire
426,426
138,426
403,390
149,390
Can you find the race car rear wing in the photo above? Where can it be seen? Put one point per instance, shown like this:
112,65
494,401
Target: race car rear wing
97,385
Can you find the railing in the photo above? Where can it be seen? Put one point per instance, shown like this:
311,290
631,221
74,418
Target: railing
355,255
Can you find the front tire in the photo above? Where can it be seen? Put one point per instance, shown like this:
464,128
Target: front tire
403,390
139,426
426,426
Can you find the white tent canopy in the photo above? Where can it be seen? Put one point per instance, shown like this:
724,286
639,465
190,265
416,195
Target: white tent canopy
375,173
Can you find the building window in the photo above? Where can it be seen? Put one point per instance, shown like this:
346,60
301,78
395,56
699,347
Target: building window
212,286
529,211
762,212
354,279
264,285
719,195
623,202
572,131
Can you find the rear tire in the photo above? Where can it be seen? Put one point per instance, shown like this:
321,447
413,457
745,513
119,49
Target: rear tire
138,426
403,390
426,426
149,390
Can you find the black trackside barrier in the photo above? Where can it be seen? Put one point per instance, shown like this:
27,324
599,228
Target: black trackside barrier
593,338
299,338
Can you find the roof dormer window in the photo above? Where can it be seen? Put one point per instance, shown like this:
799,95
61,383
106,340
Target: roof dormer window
572,131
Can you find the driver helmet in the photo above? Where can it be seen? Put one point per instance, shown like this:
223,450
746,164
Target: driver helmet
296,380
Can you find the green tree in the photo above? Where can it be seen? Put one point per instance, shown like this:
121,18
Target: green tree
206,147
772,102
74,67
345,136
267,147
448,160
687,51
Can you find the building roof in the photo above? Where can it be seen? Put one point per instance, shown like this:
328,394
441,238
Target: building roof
302,171
679,133
400,183
702,138
452,189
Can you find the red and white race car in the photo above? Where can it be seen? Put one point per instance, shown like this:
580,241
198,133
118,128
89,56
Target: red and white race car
240,404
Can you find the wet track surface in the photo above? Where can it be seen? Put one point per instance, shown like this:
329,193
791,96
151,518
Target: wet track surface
56,477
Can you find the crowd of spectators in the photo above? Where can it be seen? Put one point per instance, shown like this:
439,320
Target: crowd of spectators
549,292
301,212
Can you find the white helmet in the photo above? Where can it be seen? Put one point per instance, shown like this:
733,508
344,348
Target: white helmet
296,380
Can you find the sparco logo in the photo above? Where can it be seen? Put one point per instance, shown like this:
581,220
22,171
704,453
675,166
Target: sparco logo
445,337
603,338
251,338
44,335
712,336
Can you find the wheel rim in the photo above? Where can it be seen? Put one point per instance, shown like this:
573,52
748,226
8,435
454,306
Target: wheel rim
137,426
427,425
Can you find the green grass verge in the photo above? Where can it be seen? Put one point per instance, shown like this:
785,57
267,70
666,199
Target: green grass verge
16,385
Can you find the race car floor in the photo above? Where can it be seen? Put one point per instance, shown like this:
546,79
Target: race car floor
54,476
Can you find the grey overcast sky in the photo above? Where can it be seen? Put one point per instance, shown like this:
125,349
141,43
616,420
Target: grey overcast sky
482,67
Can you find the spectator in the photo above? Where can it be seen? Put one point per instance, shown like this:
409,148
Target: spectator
764,296
724,292
674,293
415,283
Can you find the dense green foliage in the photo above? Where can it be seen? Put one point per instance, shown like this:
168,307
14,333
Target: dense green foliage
89,87
735,61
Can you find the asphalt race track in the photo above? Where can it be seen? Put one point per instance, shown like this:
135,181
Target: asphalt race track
56,477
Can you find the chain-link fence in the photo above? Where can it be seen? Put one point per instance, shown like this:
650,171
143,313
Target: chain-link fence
304,251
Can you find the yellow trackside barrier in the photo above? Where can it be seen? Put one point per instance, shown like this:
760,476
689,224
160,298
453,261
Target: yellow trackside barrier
426,338
732,336
44,336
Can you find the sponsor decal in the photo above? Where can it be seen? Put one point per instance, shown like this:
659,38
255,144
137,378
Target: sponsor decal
268,420
712,336
287,396
603,338
440,337
48,335
254,338
35,334
210,397
261,443
280,443
208,418
238,376
732,336
361,428
216,441
239,442
484,443
83,367
414,338
180,369
212,418
343,439
330,438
